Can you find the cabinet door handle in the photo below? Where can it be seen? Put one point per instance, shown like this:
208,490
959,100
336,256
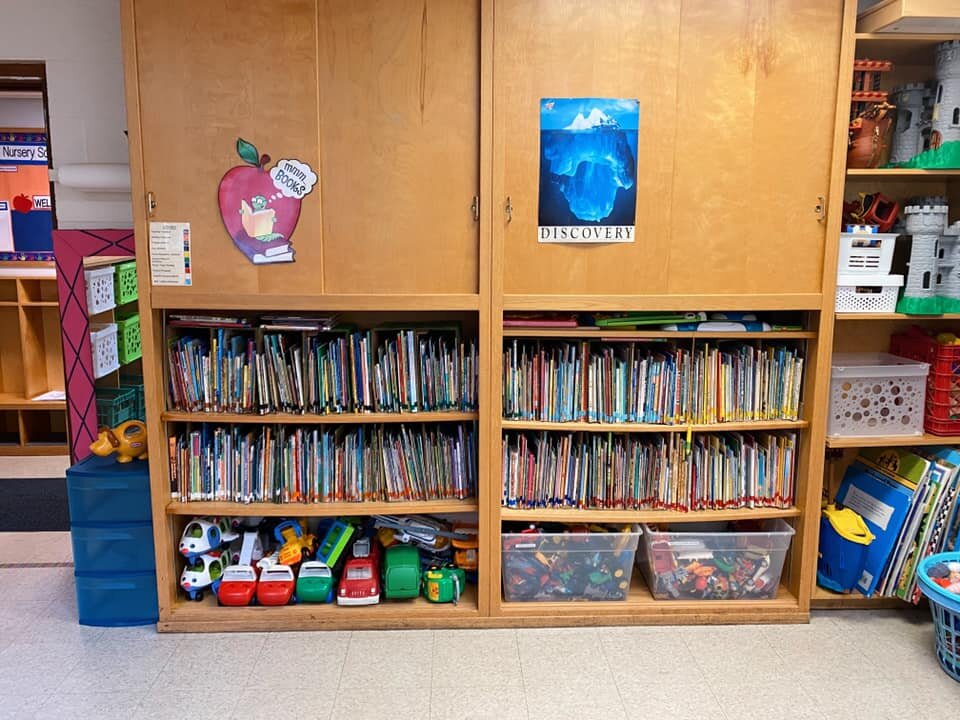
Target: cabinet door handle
509,210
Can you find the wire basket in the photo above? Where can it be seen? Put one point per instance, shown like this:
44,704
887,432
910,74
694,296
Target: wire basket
945,608
125,282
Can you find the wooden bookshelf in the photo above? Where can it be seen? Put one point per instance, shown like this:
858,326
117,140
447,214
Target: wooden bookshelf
755,426
219,509
644,516
723,231
31,361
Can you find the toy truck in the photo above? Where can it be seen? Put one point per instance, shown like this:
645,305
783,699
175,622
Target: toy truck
276,586
443,585
401,572
315,583
334,543
238,586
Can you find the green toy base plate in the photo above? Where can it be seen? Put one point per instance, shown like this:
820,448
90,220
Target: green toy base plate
945,157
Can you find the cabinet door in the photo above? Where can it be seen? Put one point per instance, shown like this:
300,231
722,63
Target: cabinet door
737,104
379,97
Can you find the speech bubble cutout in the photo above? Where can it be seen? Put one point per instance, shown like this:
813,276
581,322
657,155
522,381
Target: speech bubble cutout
293,178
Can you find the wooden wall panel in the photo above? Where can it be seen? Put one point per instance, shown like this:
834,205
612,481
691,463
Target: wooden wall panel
736,124
210,72
400,144
623,49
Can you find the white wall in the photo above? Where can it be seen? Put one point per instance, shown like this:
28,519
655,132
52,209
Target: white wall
23,113
79,40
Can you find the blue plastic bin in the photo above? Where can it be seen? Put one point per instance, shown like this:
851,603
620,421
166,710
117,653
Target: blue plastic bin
101,490
114,548
117,600
945,608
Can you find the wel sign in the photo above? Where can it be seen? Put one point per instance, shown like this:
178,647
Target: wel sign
260,207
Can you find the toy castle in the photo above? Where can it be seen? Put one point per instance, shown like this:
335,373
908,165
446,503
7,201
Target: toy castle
927,134
933,280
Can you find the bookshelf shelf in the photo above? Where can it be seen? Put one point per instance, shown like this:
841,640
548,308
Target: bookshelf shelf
644,516
172,299
205,616
901,173
15,401
823,598
651,428
427,507
312,419
589,303
607,334
895,316
892,441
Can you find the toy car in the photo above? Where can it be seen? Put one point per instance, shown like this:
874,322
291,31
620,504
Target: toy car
360,582
238,586
202,572
276,586
443,585
315,583
401,572
334,542
202,536
296,543
465,546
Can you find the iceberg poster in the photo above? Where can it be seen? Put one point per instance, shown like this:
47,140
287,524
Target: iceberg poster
588,170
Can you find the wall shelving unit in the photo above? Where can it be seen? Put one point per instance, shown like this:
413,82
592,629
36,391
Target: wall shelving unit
390,231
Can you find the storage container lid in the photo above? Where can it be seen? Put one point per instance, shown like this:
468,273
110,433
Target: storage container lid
869,280
877,365
96,465
869,235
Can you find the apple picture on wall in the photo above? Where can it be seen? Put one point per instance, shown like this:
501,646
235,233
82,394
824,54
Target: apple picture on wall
23,203
259,207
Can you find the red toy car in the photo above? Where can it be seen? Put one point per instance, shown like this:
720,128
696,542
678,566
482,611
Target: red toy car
238,586
276,586
360,581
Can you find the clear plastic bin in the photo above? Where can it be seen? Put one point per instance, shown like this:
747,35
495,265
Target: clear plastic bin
117,548
876,394
568,566
685,562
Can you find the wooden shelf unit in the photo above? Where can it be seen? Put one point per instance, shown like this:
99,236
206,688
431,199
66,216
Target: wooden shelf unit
757,426
361,247
575,515
219,509
913,58
31,361
314,419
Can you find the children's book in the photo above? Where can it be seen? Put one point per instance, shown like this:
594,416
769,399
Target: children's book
883,501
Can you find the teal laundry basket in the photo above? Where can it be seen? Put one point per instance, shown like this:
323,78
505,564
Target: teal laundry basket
945,607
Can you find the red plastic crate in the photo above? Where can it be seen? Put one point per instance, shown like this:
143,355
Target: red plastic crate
942,412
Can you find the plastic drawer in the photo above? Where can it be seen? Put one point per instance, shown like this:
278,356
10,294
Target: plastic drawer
116,600
568,566
101,490
118,548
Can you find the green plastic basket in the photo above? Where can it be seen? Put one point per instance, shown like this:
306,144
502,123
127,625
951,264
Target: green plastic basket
128,338
115,405
135,383
125,282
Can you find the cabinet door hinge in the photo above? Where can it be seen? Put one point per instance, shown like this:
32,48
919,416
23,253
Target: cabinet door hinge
475,208
151,204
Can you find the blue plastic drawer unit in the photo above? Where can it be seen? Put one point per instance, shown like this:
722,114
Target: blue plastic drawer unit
117,600
115,548
101,490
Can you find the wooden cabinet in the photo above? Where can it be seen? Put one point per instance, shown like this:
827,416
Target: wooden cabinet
736,133
379,97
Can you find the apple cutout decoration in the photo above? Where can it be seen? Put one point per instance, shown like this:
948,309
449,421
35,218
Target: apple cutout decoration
22,203
259,207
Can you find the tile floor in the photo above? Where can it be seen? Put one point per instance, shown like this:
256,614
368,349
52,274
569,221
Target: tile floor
842,665
854,664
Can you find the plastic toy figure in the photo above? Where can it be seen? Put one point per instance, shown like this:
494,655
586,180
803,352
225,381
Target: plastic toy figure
202,572
238,586
444,585
296,544
276,586
401,572
203,535
128,440
315,583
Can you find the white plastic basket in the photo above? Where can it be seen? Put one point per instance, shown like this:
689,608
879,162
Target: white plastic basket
100,289
866,253
876,394
103,345
868,293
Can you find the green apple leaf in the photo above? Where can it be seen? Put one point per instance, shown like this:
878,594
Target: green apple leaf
248,153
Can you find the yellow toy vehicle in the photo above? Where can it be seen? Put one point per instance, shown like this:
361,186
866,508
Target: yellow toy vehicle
297,543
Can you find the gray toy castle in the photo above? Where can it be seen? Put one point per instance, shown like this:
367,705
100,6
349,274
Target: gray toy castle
946,103
914,109
933,280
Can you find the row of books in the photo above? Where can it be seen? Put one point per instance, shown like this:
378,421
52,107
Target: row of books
658,472
633,382
910,501
229,370
289,464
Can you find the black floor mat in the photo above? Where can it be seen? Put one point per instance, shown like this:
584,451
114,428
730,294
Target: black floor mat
33,504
